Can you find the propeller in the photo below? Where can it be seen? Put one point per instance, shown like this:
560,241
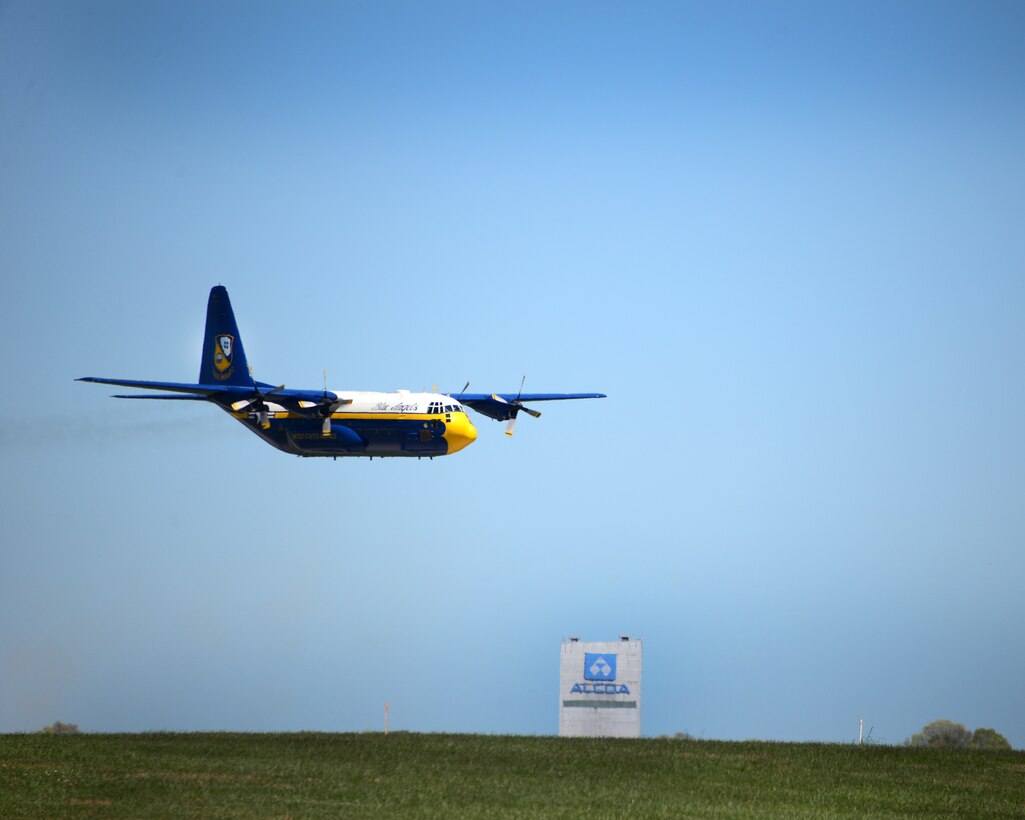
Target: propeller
258,405
326,408
256,399
449,393
516,406
322,409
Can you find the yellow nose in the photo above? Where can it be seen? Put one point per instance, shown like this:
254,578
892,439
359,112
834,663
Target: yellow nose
459,433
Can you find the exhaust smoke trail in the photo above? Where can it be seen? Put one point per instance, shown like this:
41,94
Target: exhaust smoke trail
102,429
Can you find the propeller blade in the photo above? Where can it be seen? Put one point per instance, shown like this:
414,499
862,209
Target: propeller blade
325,430
259,397
530,412
510,426
333,406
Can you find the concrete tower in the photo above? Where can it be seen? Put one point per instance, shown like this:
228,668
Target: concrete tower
600,688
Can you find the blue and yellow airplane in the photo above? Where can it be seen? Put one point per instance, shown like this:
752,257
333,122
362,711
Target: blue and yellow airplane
332,423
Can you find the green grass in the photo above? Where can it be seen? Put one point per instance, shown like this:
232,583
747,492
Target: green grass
414,775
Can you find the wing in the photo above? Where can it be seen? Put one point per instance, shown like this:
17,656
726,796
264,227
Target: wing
504,406
299,401
174,387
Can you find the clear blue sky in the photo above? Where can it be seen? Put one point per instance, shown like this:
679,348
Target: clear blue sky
785,238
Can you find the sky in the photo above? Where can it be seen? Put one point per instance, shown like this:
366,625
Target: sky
784,238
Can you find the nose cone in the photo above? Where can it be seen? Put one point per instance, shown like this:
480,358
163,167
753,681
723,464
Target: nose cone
459,433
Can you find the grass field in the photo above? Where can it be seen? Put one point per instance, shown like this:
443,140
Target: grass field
433,775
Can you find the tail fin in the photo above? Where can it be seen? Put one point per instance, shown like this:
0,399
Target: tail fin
224,359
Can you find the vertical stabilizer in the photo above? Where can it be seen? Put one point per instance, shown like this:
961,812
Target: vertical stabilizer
224,358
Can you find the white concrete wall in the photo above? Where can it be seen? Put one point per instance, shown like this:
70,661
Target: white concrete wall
602,706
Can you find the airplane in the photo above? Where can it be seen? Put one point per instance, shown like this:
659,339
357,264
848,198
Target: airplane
332,423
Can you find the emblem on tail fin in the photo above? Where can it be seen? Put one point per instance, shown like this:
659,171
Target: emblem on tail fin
223,346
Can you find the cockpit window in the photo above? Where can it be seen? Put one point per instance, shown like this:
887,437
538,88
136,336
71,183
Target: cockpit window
436,408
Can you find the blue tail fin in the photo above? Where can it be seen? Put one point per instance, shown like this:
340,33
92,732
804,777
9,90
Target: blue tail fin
224,358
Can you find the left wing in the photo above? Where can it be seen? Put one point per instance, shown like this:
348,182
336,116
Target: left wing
503,406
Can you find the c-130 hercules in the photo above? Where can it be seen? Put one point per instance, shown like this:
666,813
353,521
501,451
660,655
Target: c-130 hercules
332,423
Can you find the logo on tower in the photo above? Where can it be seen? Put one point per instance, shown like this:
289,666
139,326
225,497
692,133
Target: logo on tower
224,347
599,666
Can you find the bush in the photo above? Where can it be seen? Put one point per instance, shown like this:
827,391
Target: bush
942,734
990,739
59,728
945,734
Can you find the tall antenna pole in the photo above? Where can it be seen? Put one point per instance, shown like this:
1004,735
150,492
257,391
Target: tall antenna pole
386,717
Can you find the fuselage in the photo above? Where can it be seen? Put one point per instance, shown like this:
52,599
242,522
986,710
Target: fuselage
367,424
